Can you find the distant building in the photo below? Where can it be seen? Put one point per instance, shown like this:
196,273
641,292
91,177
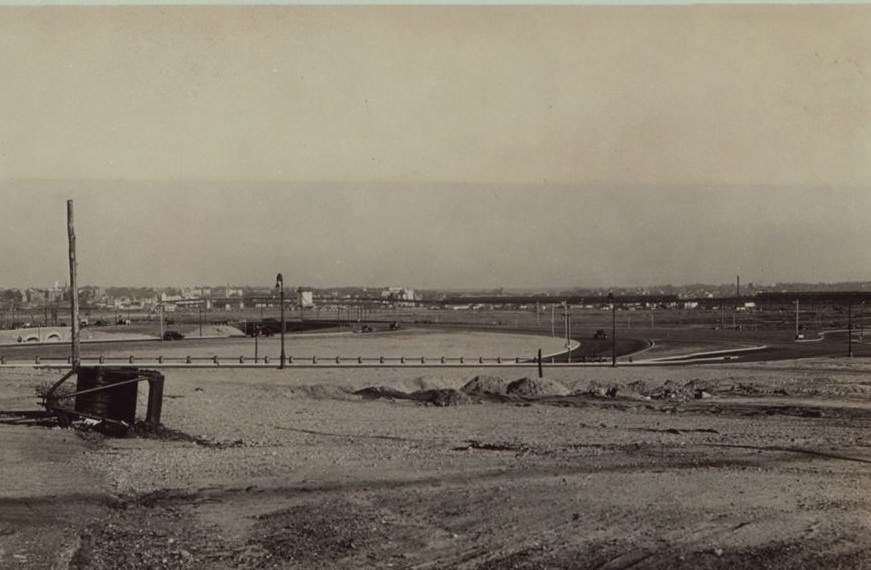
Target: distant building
305,297
399,294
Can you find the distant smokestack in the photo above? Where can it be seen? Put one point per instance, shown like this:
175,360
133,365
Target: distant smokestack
738,288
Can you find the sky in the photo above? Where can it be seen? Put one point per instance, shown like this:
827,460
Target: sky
436,147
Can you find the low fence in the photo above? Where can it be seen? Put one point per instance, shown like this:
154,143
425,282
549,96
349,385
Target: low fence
298,362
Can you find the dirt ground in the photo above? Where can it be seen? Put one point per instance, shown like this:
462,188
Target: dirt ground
732,466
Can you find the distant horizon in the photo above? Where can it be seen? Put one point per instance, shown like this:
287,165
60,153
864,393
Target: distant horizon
556,288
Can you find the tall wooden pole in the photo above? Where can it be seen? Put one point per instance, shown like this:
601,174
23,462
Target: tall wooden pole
74,288
279,284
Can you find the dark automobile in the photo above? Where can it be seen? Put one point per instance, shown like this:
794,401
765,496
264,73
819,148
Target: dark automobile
172,335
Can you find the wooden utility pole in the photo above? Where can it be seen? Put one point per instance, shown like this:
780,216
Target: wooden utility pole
74,288
161,322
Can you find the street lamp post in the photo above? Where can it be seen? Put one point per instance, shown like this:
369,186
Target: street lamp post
850,329
613,330
796,319
568,329
279,284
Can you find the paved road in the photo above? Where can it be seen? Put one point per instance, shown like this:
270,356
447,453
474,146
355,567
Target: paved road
779,346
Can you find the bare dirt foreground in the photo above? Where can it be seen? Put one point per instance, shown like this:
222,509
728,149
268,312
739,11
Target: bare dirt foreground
741,466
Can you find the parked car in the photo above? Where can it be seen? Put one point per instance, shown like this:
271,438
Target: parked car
172,335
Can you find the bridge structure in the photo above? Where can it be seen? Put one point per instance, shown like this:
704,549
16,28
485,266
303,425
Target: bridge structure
35,335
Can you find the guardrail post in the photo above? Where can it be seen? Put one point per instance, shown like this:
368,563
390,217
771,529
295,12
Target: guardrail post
443,359
241,360
480,360
338,360
359,360
314,359
381,359
265,360
461,360
498,360
36,360
402,360
102,359
215,359
160,359
188,360
131,359
290,360
422,360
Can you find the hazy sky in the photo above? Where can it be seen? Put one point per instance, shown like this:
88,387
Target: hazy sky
436,146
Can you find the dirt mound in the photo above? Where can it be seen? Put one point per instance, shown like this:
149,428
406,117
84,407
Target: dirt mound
440,397
375,392
430,382
647,390
602,390
638,387
484,384
671,390
536,388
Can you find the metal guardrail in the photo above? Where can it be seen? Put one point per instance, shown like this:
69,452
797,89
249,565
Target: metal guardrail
296,362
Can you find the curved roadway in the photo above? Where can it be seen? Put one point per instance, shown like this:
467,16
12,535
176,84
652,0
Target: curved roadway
777,345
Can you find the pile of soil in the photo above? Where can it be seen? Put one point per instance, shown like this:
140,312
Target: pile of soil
536,388
440,397
671,390
484,384
604,390
429,382
375,392
639,387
